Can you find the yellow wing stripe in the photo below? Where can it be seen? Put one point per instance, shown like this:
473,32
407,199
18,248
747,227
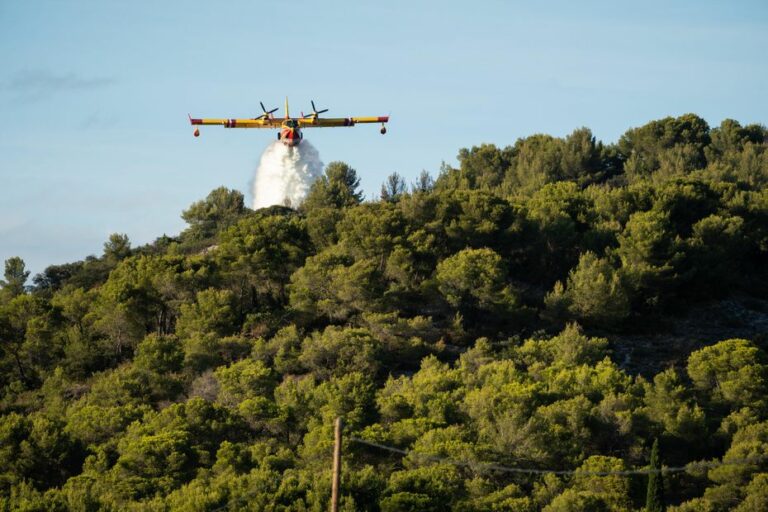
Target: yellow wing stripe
239,123
312,122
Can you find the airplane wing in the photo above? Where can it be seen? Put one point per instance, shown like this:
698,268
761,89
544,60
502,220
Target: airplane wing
238,123
323,122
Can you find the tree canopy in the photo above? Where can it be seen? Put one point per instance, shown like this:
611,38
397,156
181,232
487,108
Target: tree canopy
537,307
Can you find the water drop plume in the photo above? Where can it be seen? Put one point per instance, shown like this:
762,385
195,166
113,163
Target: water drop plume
285,174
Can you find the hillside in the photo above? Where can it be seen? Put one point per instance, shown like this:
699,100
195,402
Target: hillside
523,326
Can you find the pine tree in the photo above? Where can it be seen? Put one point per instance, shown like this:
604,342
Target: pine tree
654,500
15,277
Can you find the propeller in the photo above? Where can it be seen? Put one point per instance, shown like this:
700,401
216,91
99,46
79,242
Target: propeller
266,113
316,112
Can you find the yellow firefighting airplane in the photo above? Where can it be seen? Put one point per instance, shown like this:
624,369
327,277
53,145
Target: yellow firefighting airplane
290,127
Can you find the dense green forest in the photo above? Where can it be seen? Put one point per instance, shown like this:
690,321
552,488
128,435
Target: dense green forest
498,314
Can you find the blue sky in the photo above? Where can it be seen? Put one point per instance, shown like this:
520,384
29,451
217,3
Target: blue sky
94,95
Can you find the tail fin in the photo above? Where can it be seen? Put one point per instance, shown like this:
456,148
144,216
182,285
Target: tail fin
287,113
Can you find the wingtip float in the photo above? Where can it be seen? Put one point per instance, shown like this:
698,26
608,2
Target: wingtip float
290,127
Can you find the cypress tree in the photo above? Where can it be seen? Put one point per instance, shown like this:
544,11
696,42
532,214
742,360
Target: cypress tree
654,500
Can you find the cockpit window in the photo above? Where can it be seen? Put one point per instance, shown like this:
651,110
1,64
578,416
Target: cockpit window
292,123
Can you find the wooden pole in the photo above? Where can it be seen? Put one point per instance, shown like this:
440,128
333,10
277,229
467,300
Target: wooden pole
336,467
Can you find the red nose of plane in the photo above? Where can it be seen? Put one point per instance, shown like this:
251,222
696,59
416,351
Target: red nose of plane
290,137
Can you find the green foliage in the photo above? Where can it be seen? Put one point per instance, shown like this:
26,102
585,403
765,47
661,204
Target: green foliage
219,210
649,255
337,351
475,280
159,354
204,372
433,393
37,450
480,167
424,183
732,372
165,450
94,424
429,488
654,498
571,347
393,188
244,380
26,339
261,253
203,325
117,248
532,163
647,147
571,501
669,403
756,496
715,250
595,492
594,295
140,296
563,217
748,447
332,285
337,188
15,277
211,313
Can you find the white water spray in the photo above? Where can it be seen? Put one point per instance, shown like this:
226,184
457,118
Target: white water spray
285,174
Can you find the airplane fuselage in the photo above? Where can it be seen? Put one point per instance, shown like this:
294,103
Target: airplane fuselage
290,133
